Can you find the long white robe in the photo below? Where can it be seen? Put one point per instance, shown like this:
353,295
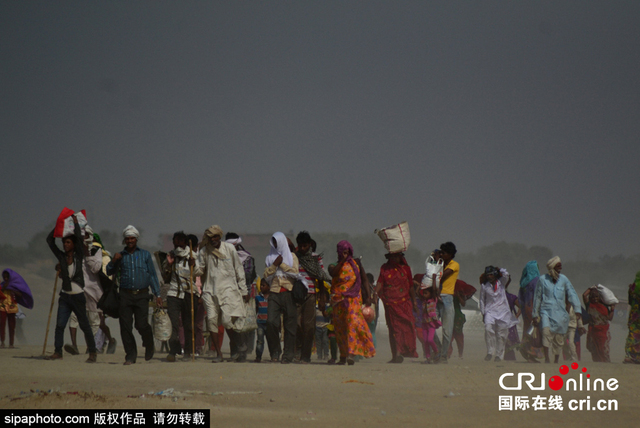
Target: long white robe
223,278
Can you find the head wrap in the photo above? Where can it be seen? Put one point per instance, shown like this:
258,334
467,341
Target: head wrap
17,283
130,232
529,272
242,253
355,288
97,242
282,249
234,241
96,239
550,267
492,270
206,240
88,231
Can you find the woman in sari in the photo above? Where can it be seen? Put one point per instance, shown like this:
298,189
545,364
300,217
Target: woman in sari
530,348
395,288
598,337
352,332
632,346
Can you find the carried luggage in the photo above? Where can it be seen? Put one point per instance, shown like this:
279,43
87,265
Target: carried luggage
396,238
432,268
109,303
161,325
607,296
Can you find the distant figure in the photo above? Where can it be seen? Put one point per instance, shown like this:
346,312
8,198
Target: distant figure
531,345
137,275
600,315
177,267
249,266
262,313
224,290
428,320
8,311
513,339
352,333
632,345
312,274
549,308
72,298
459,301
496,314
14,291
570,351
91,266
450,273
281,273
395,288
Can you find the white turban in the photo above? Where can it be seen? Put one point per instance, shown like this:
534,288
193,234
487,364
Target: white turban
234,241
551,264
88,230
129,232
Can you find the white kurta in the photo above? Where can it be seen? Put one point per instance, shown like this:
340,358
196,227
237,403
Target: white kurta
223,278
92,289
494,304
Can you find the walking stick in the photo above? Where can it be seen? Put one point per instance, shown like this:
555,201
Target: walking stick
193,324
53,299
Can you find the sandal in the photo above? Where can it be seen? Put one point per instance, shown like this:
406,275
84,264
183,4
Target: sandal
331,361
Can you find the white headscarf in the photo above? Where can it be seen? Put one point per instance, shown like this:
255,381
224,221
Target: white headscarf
551,264
281,250
129,232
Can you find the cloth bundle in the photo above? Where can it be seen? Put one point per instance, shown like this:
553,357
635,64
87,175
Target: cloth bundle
64,224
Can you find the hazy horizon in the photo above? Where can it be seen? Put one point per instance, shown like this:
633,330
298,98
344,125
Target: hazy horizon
477,122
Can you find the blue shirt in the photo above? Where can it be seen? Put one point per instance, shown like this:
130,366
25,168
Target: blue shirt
136,271
549,303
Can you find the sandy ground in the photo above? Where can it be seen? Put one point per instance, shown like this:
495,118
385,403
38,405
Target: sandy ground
370,393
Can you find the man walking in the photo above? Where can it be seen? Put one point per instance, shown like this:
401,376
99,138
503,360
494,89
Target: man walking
224,290
137,274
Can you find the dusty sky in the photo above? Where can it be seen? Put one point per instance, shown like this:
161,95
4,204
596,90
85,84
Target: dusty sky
475,121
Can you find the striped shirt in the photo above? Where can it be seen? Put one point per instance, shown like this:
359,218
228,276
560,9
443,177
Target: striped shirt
262,302
136,271
306,279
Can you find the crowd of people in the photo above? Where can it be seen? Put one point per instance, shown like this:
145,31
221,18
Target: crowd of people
296,305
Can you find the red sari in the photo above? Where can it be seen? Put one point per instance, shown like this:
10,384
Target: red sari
598,337
396,281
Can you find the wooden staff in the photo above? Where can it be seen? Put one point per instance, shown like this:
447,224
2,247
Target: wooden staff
193,324
53,299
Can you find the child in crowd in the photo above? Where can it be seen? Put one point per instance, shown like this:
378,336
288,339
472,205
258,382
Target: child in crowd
262,303
430,321
322,330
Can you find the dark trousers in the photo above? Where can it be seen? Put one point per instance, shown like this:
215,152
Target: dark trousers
281,303
261,332
134,305
76,303
306,315
181,308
